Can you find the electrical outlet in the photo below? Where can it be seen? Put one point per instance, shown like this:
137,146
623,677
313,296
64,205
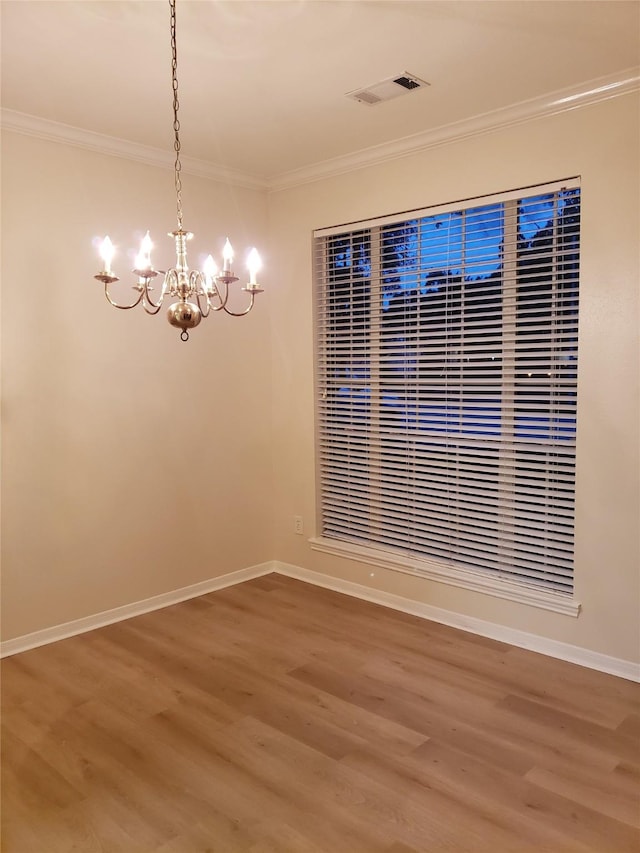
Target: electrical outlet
298,526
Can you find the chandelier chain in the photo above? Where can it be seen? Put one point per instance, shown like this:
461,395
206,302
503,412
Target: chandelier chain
176,107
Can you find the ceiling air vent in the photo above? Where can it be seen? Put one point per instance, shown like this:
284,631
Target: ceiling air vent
388,89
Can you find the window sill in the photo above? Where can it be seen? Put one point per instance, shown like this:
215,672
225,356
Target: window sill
476,581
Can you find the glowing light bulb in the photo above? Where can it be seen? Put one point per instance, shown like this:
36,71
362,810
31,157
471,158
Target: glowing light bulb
227,256
143,260
106,253
254,263
210,270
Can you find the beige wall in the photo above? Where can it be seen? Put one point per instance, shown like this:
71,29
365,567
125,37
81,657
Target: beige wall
599,143
133,464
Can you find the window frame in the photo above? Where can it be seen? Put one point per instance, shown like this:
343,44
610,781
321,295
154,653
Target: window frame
519,589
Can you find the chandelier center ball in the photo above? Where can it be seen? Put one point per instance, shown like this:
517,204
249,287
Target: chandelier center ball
184,315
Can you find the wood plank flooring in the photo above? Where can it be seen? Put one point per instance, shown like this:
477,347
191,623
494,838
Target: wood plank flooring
277,717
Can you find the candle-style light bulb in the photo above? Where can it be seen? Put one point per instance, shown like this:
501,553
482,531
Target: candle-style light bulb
254,263
143,260
210,270
106,253
227,256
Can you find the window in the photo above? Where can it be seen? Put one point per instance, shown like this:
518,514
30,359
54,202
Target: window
447,344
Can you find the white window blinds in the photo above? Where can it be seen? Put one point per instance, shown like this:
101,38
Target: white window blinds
447,345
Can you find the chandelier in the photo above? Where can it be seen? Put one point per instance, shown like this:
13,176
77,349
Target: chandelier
197,293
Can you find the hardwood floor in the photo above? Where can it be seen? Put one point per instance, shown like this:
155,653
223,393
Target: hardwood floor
277,717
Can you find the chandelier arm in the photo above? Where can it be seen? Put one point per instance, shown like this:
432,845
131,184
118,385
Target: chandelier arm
223,299
147,297
209,307
150,307
170,285
122,307
196,280
240,313
213,307
216,294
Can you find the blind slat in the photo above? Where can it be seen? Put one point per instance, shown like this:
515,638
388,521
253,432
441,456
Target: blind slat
447,345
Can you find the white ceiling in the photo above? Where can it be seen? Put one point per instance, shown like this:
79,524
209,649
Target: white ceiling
263,82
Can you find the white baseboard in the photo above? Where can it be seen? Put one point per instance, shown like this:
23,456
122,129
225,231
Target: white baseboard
137,608
533,642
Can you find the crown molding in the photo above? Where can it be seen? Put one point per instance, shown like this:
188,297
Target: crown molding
563,100
54,131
